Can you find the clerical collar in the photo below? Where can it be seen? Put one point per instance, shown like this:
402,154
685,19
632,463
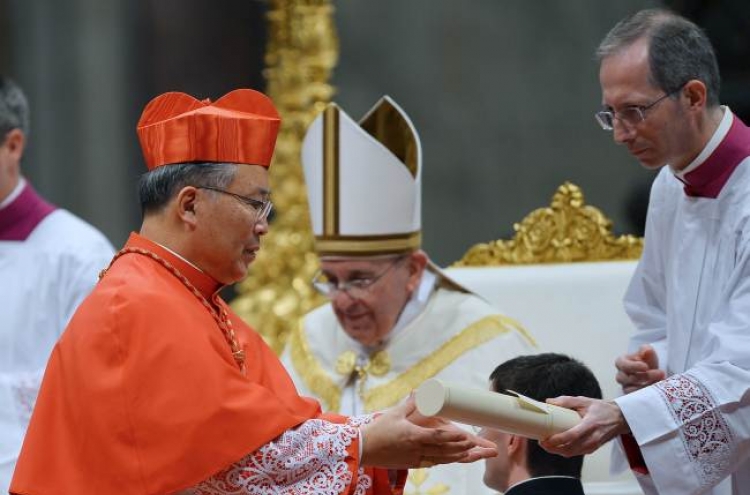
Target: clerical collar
706,175
206,284
180,256
14,193
21,212
416,303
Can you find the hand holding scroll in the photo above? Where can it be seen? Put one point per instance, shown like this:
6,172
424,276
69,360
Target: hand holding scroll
514,414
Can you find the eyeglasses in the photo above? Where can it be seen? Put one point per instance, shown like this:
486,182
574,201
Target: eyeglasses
629,116
263,209
356,287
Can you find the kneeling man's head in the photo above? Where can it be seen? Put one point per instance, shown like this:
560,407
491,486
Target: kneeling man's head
539,376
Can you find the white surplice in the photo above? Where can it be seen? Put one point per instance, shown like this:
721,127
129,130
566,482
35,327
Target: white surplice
42,280
442,332
690,299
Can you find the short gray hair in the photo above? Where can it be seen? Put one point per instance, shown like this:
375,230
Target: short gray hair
14,108
156,187
678,50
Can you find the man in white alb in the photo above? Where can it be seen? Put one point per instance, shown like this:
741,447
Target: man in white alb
394,319
685,418
49,261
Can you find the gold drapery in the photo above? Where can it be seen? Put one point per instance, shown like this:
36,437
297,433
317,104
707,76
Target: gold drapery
301,53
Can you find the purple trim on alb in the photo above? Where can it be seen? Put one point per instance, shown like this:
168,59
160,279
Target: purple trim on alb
20,218
709,178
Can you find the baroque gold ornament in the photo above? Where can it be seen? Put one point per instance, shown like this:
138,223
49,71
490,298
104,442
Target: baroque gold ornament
302,51
567,230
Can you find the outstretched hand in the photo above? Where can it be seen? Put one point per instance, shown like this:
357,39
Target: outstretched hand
402,438
638,370
601,421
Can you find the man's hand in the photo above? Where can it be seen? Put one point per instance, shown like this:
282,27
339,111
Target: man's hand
638,370
401,438
601,421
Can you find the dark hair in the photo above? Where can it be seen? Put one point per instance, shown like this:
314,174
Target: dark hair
543,376
14,108
156,187
678,50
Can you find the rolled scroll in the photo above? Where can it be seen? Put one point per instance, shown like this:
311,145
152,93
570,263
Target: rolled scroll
516,414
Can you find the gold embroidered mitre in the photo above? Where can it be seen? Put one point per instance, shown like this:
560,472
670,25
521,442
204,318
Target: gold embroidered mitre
364,181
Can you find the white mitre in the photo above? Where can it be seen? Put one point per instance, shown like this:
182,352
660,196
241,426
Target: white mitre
364,182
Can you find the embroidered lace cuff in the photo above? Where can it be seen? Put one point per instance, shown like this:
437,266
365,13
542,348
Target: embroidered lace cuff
311,459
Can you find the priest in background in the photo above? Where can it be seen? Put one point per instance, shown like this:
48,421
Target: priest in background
394,319
49,261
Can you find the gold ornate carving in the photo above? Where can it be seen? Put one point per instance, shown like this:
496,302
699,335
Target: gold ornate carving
302,51
567,230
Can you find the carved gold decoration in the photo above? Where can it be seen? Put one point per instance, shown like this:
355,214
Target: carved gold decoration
302,51
568,230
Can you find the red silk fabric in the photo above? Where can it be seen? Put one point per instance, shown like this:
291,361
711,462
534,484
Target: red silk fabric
240,127
142,396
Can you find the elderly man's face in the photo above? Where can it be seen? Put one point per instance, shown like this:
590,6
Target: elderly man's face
368,315
229,235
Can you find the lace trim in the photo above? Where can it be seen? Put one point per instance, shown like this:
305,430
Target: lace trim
705,434
310,459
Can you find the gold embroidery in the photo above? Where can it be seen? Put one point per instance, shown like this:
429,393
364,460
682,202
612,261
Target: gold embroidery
389,127
320,383
346,362
418,477
472,336
316,379
331,174
380,364
368,245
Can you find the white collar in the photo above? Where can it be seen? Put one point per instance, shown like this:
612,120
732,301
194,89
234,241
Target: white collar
416,303
14,193
540,477
179,256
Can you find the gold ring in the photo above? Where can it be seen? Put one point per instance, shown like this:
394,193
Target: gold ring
424,463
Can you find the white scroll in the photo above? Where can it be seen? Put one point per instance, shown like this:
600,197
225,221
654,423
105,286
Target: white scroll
516,414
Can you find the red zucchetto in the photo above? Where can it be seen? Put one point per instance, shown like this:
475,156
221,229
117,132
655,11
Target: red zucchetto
240,127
